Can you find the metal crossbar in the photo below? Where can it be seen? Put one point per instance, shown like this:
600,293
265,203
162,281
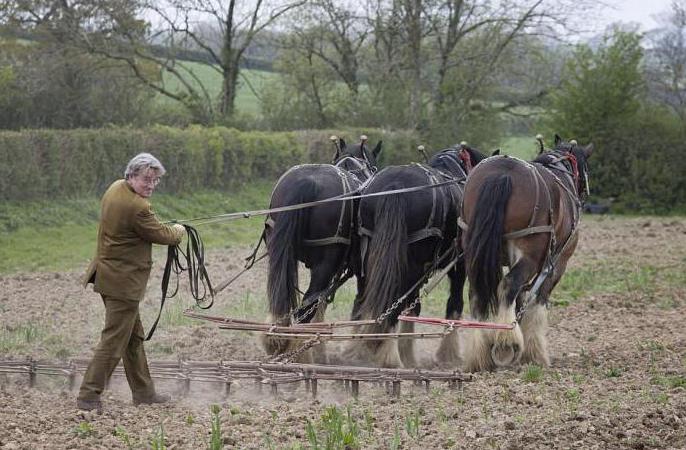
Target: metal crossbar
324,330
455,323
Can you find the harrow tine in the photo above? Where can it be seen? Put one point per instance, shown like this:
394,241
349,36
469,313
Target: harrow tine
223,374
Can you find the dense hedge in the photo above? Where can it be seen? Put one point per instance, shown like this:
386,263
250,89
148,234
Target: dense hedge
640,164
40,164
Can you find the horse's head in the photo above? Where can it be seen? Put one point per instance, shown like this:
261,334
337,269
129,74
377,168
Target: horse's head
578,156
357,158
458,160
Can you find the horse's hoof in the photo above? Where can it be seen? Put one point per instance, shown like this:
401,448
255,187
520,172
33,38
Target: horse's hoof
505,355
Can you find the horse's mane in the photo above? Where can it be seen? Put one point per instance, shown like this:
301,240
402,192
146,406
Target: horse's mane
560,149
475,154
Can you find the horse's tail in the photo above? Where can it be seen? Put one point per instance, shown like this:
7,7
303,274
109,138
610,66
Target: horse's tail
386,257
283,243
485,242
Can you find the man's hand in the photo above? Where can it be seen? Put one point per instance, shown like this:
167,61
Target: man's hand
180,230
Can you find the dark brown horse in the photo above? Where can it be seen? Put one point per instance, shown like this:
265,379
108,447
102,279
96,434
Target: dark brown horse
524,216
403,235
322,237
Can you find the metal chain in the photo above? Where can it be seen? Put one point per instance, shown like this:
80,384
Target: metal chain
396,304
520,313
412,305
308,311
384,315
290,356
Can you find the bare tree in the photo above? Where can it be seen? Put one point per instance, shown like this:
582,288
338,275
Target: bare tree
308,77
411,11
667,71
334,32
237,23
116,29
452,47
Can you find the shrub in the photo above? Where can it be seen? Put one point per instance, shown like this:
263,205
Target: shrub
47,164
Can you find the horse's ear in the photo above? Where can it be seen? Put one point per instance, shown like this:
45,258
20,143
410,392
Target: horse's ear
558,139
377,149
588,150
341,143
496,152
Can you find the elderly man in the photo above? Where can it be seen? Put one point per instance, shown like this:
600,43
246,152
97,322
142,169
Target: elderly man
120,272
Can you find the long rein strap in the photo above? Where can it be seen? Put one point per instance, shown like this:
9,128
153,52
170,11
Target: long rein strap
354,195
199,280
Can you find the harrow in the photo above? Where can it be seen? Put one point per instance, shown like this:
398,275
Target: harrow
239,373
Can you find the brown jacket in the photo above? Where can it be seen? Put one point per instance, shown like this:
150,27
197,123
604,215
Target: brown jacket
127,230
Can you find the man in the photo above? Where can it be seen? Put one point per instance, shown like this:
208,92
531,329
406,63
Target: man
120,272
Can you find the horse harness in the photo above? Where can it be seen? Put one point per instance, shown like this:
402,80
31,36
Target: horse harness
555,163
431,229
348,184
362,171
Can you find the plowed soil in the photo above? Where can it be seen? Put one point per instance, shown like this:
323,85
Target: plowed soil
617,377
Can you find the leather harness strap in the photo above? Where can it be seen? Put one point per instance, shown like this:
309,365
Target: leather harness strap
429,230
527,231
530,229
338,238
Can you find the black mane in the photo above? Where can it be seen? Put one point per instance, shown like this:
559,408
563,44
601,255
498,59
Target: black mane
450,161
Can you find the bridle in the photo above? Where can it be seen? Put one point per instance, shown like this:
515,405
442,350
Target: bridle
567,155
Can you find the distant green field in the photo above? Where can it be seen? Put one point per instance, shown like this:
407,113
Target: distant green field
246,101
524,147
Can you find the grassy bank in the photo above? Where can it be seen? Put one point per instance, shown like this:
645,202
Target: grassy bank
46,236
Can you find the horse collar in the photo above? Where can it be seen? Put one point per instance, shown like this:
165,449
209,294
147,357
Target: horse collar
575,168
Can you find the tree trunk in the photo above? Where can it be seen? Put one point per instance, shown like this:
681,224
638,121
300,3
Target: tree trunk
229,87
413,13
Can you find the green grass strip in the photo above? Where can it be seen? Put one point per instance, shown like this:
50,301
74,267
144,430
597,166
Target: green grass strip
60,235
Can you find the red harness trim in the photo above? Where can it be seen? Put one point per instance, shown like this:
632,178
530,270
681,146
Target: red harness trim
575,168
466,159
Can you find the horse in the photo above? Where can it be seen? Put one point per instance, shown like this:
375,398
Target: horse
322,237
525,216
402,238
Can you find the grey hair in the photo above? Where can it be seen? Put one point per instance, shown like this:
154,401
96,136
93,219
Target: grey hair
143,161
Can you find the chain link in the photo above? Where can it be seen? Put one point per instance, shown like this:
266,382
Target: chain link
308,311
412,305
520,313
396,304
290,356
384,315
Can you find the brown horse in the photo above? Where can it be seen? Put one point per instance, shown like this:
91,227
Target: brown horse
527,220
